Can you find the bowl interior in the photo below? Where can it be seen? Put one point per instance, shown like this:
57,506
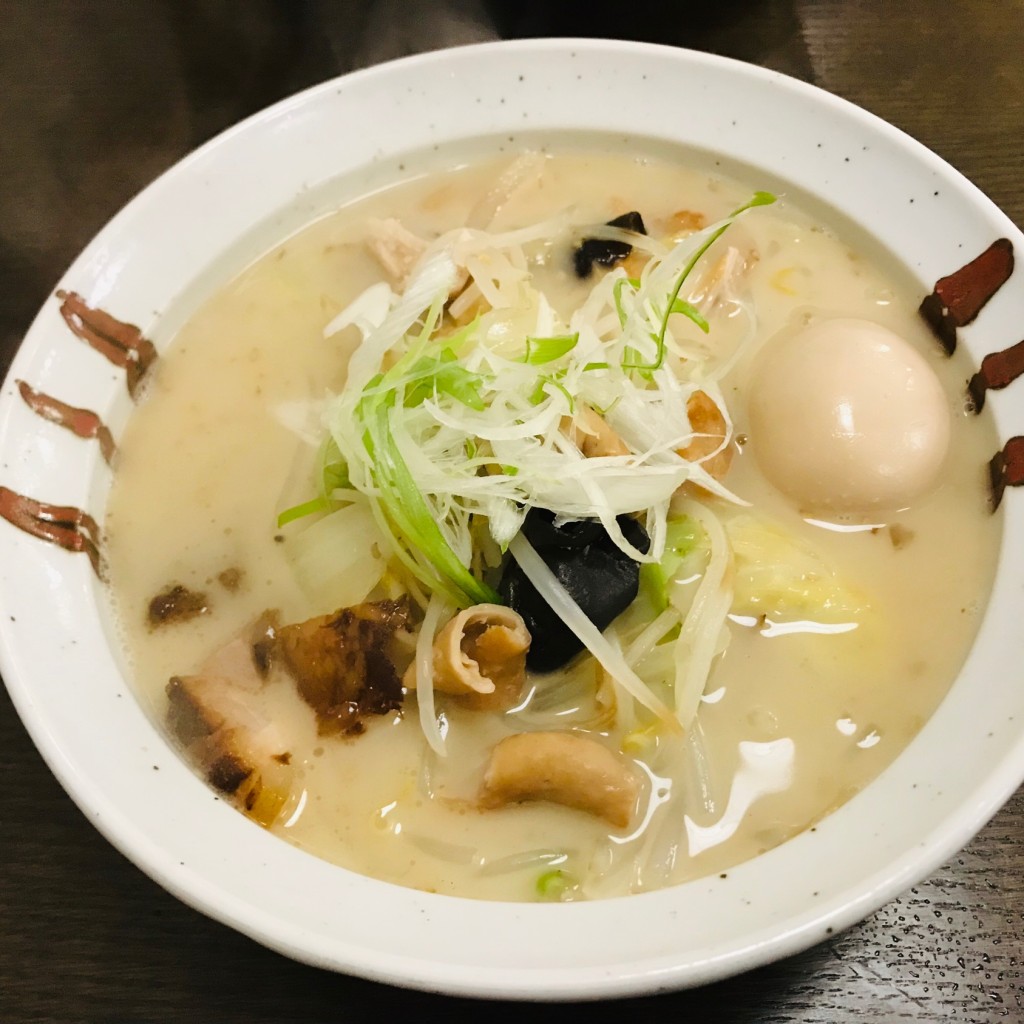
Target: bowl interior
190,231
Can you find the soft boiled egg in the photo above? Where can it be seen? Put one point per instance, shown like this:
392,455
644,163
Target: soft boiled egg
847,417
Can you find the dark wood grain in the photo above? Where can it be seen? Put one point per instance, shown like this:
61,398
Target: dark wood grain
99,97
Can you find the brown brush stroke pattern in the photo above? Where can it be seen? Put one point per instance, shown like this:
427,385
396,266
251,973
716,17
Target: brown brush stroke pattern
81,422
122,343
958,298
63,525
1006,469
998,370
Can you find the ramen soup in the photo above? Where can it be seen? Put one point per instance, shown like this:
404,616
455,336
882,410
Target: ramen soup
555,529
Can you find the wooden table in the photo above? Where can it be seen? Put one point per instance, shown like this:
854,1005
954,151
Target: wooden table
98,97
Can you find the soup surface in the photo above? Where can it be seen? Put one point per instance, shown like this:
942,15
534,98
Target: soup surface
847,609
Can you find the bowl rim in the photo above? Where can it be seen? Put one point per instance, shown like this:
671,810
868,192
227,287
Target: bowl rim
654,967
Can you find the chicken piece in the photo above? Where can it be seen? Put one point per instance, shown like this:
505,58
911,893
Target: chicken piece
564,768
344,664
708,423
730,267
398,250
592,435
394,247
524,172
685,222
480,654
239,753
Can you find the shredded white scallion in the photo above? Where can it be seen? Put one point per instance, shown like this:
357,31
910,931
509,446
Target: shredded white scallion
519,407
705,619
437,611
443,426
651,634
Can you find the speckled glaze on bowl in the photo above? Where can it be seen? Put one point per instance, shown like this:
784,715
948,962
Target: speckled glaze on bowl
183,236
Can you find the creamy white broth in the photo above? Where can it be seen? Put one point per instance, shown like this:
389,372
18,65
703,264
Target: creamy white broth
212,455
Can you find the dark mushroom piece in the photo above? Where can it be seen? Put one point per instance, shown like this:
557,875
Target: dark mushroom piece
602,579
606,251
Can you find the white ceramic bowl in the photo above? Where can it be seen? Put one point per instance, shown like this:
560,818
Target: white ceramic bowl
181,238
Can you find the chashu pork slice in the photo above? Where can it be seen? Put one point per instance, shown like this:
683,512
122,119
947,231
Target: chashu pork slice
239,752
346,664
